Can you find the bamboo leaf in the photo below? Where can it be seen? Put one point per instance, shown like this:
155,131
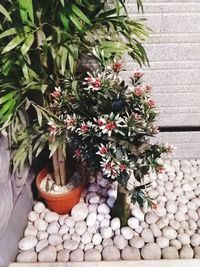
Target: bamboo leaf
63,60
5,13
76,22
7,97
80,14
26,8
12,44
39,116
27,44
8,32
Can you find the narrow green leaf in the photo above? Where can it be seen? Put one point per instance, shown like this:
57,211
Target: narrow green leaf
5,13
12,44
8,32
39,116
7,97
27,44
26,8
62,2
63,60
76,22
80,14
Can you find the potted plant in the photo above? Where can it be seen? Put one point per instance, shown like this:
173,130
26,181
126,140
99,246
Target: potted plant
42,48
113,123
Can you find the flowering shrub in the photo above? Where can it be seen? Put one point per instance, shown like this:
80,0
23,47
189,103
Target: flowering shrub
109,125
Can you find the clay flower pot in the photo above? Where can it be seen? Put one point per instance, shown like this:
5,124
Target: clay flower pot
60,203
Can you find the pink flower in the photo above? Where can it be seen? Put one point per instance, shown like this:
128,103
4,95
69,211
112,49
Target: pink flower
138,91
103,150
147,88
52,128
151,103
137,74
154,129
160,169
154,206
56,93
84,128
110,125
100,122
137,116
122,167
95,83
77,153
117,67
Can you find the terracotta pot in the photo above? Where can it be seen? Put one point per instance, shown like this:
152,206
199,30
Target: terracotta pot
60,203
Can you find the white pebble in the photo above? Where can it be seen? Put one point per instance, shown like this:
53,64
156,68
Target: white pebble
32,216
162,241
70,245
147,235
87,237
91,219
39,207
115,224
70,222
169,232
151,251
80,227
137,213
51,216
55,239
151,217
103,209
40,224
96,239
53,227
127,232
106,232
133,223
79,212
136,242
120,242
28,242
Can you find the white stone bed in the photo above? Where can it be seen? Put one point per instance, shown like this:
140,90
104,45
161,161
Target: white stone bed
172,231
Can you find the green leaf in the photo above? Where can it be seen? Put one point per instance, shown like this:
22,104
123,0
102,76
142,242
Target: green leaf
27,44
7,97
64,20
8,32
62,2
71,62
39,116
12,44
44,87
80,14
26,8
5,13
76,22
63,60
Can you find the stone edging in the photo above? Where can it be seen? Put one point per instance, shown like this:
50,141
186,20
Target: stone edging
139,263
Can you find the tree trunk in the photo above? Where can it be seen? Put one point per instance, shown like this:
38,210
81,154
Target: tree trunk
56,168
62,167
121,209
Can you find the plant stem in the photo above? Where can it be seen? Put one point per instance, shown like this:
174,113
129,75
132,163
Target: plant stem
62,166
56,168
121,209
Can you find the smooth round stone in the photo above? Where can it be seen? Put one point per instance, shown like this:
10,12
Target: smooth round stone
186,252
130,253
182,199
40,224
70,222
136,242
174,224
92,207
151,251
155,230
106,232
48,254
178,191
105,223
179,216
197,252
94,187
62,218
137,213
107,242
32,216
70,245
183,208
96,239
170,253
59,247
92,255
27,256
41,245
162,222
76,237
195,240
184,239
55,239
87,237
171,206
90,195
111,201
92,229
80,227
162,241
94,199
185,169
170,216
103,209
42,235
63,229
139,229
115,224
53,227
169,232
63,255
39,207
170,195
99,247
153,193
66,236
151,217
175,243
120,242
186,187
30,230
133,223
192,224
161,211
51,216
79,212
110,253
88,246
28,242
193,215
147,235
76,255
91,219
127,232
